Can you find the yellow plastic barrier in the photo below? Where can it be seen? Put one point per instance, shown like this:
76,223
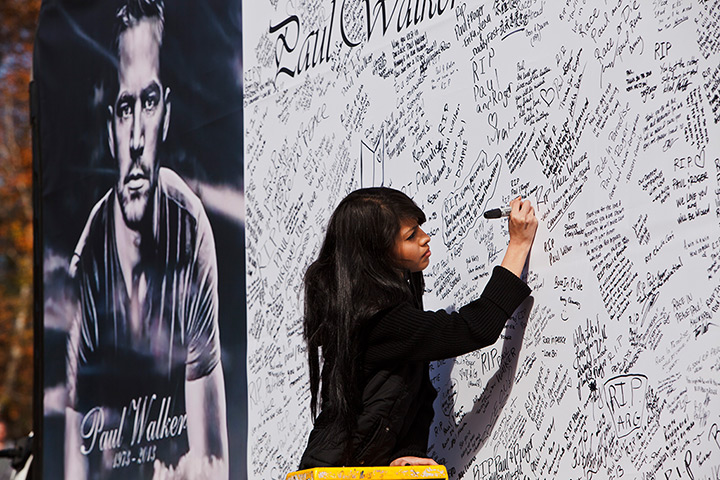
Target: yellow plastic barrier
370,473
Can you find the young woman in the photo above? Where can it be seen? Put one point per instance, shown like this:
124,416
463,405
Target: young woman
364,318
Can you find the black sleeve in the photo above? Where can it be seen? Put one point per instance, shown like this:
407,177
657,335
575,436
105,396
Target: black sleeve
203,334
406,333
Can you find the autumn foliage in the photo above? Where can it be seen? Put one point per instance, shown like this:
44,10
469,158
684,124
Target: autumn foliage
17,28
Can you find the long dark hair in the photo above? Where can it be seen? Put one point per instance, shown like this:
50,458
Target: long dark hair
355,276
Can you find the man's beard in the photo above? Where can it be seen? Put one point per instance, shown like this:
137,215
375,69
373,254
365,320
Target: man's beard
136,206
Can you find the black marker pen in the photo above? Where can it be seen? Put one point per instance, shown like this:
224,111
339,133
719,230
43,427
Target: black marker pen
498,212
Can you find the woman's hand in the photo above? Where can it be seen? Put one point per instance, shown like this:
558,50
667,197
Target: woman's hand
522,226
402,461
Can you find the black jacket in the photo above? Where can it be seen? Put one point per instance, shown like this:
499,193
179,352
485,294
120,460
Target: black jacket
398,396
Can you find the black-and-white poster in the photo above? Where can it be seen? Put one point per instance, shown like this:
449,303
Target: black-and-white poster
140,108
605,115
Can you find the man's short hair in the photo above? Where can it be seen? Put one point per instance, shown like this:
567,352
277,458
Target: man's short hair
134,11
128,16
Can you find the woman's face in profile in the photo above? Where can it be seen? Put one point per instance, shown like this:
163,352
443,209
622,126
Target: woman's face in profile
412,246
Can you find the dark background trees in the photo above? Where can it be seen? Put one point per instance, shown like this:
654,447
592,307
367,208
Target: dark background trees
18,20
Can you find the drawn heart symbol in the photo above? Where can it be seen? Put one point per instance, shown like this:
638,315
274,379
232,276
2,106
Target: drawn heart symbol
548,95
492,119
